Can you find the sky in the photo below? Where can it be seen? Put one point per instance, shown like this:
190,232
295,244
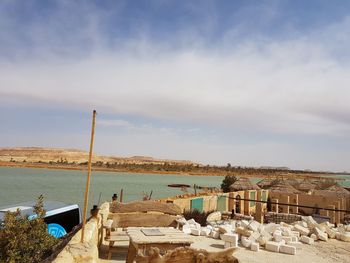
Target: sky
250,83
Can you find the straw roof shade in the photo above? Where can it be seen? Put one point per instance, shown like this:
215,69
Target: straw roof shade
283,187
265,183
334,190
243,184
292,181
306,186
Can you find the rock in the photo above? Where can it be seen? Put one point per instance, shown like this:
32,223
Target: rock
345,236
205,231
330,232
244,223
215,216
245,242
233,238
297,245
272,246
253,225
321,235
243,231
186,229
254,247
225,229
302,230
314,237
195,232
287,249
307,240
254,236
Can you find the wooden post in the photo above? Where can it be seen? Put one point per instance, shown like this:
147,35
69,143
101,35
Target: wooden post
88,176
121,195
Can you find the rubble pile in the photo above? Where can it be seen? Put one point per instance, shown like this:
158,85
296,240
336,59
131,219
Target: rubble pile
280,238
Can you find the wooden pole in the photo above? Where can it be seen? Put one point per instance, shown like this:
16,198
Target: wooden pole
88,176
121,195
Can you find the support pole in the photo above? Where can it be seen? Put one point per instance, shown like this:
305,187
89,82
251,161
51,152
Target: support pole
88,176
121,195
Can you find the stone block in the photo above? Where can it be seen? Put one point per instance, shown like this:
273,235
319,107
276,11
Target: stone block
294,239
243,231
321,235
295,233
230,244
244,223
272,246
277,237
287,239
229,238
345,236
245,242
287,249
253,225
254,236
205,231
307,240
330,232
216,235
302,230
195,232
254,246
186,229
314,237
297,245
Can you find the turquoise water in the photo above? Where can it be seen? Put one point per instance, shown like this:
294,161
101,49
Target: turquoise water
26,184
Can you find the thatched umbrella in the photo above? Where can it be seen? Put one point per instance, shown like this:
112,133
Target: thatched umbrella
243,184
306,186
265,183
334,190
283,187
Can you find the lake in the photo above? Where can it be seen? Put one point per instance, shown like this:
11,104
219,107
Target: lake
26,184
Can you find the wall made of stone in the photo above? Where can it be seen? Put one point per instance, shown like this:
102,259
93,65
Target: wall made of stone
77,252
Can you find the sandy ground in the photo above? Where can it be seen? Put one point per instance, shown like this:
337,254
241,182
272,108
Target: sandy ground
320,252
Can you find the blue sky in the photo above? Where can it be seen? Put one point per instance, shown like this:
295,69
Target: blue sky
252,83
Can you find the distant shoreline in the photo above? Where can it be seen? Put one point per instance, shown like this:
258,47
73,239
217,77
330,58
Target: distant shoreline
71,167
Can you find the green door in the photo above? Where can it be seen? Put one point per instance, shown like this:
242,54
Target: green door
197,204
221,205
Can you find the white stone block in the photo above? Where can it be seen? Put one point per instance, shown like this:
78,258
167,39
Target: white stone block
321,235
205,231
345,236
287,239
277,237
314,237
297,245
245,242
216,234
233,238
302,230
254,246
195,232
229,244
254,236
295,233
307,240
254,225
244,223
191,221
294,239
330,232
272,246
186,229
286,249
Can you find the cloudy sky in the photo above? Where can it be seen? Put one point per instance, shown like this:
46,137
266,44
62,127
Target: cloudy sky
253,83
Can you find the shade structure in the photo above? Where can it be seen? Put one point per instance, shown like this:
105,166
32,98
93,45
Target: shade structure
283,186
242,184
334,191
265,183
306,186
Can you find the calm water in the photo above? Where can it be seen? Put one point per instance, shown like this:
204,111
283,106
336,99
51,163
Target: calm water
25,184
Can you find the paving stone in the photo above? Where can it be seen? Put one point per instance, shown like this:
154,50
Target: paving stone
307,240
321,235
287,249
272,246
255,247
195,232
302,230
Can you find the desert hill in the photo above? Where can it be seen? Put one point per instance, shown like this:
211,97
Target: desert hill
56,155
